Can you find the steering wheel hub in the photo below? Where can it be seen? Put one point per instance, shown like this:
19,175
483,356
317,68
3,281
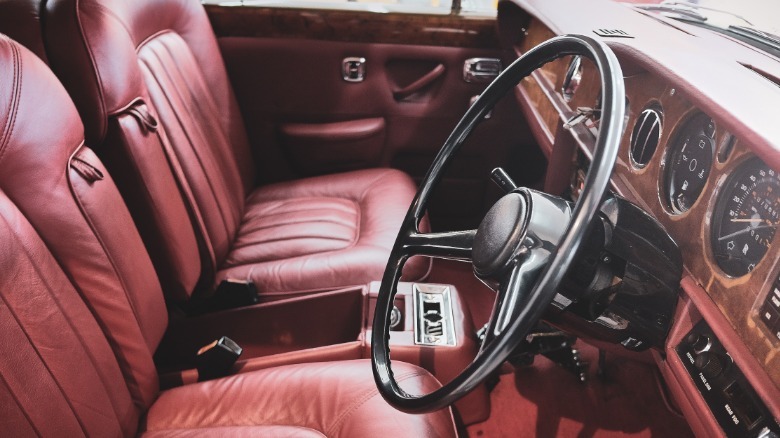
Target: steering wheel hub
500,235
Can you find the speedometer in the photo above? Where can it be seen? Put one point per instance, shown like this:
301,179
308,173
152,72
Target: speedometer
747,215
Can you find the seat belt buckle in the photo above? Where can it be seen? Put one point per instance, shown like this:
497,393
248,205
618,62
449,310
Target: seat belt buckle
235,293
217,358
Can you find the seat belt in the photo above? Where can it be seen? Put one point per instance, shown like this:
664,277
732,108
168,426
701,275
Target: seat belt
140,111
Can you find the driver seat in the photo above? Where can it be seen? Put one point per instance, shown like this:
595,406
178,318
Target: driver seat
82,311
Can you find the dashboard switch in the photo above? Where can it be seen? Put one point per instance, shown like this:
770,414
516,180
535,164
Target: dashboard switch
733,402
699,342
710,364
769,315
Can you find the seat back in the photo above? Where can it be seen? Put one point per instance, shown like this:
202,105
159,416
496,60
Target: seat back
58,375
64,191
20,20
111,53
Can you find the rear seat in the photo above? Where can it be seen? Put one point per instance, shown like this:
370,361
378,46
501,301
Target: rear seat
82,313
189,179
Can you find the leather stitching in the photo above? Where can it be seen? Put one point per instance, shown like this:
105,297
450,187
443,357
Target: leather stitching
44,281
196,150
363,399
91,55
225,155
266,226
19,404
358,225
287,239
13,106
236,426
119,352
116,17
274,211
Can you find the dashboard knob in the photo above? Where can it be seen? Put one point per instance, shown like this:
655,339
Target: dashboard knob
698,342
709,364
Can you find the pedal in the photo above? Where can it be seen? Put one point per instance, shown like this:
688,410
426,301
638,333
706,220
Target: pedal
569,358
554,345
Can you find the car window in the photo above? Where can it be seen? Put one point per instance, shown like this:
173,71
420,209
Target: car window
434,7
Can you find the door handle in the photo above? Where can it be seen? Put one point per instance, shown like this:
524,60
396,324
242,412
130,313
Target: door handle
426,80
481,69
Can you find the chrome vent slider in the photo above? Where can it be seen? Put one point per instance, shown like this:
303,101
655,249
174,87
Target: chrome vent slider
645,136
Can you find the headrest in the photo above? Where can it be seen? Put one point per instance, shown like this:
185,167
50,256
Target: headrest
39,125
92,45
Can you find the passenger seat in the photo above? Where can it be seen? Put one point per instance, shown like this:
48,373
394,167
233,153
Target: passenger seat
150,84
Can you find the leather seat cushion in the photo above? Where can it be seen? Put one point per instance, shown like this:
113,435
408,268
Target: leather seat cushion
239,432
334,399
323,232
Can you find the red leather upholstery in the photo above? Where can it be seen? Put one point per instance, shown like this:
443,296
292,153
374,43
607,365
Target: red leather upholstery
142,173
82,221
73,386
335,399
110,54
59,376
317,232
70,369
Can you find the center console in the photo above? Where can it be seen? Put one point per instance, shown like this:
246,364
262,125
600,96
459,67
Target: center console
430,328
436,332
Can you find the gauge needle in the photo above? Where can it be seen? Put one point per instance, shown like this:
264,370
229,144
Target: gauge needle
737,233
758,219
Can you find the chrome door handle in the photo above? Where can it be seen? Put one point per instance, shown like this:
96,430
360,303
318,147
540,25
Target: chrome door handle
481,69
353,69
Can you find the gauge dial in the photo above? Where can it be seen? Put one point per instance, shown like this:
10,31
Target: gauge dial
689,163
747,215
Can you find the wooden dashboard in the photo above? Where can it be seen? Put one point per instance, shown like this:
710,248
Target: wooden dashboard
738,298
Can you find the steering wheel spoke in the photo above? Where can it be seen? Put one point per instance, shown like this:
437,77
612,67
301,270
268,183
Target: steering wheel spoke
454,245
513,291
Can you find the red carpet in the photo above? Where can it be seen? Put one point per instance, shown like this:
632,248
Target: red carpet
546,401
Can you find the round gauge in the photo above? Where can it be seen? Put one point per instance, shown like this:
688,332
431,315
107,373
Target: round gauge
747,215
689,163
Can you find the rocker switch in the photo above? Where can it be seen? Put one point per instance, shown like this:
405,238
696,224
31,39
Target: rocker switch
353,69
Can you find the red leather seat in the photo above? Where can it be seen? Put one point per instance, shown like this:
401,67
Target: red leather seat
128,64
329,230
82,313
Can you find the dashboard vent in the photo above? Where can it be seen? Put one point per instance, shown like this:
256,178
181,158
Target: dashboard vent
612,33
645,136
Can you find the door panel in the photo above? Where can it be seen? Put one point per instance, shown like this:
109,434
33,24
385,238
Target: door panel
320,148
304,119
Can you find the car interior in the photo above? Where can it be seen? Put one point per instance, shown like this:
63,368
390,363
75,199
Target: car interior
257,218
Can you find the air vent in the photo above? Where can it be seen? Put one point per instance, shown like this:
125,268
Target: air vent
645,137
612,33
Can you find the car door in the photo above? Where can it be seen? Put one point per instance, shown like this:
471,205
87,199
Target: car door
341,87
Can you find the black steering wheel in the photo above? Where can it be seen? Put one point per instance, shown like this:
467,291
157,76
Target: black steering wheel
524,245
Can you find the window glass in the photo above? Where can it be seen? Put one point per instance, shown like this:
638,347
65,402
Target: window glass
439,7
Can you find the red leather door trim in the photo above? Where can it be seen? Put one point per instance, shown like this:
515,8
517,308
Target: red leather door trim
338,131
420,84
320,148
